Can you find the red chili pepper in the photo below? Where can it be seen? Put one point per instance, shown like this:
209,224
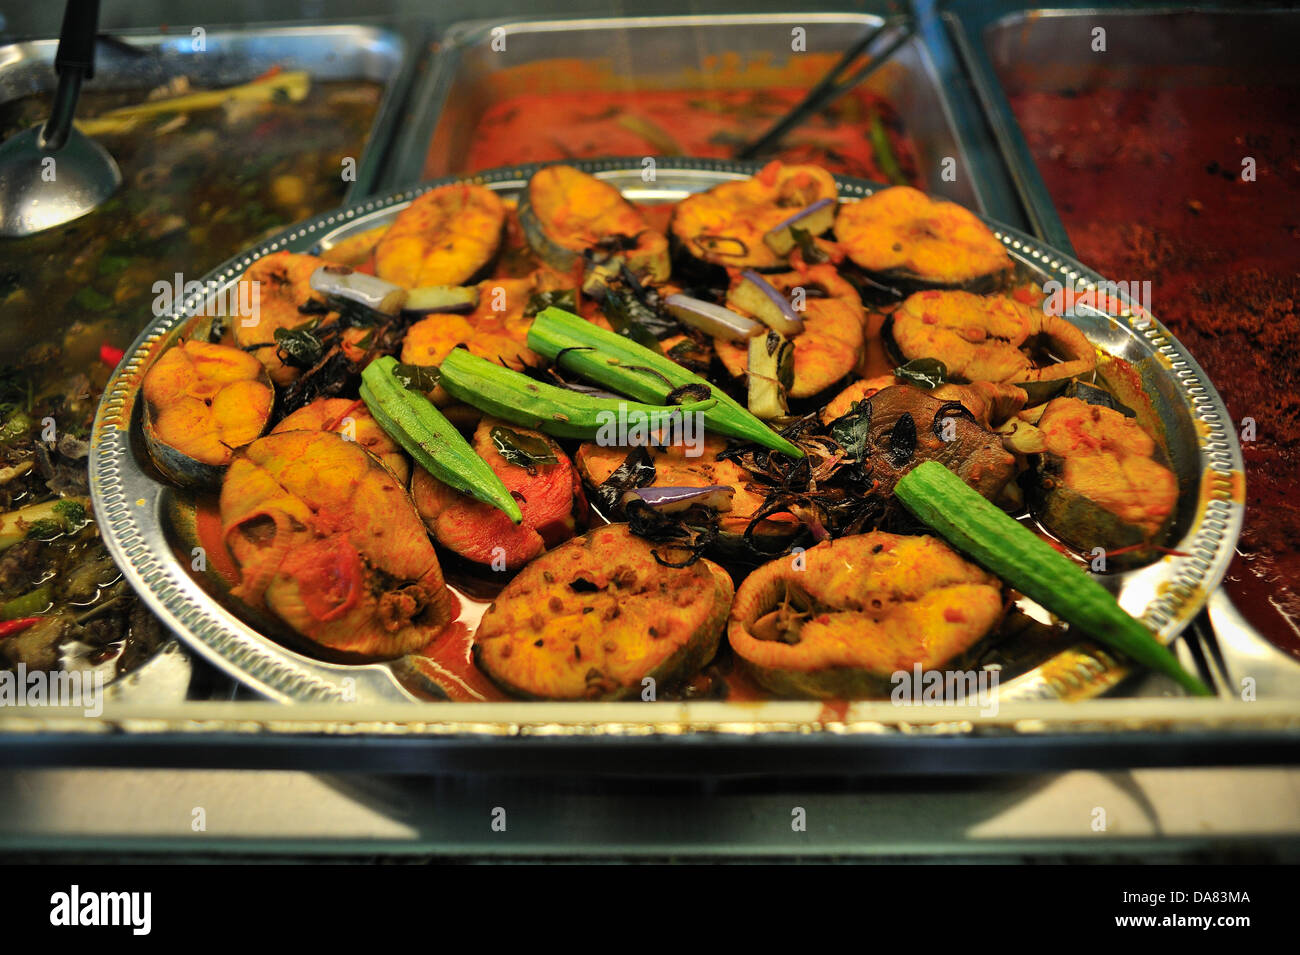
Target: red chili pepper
109,355
9,627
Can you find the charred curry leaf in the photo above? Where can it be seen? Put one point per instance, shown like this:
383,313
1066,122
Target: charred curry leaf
925,373
313,306
300,345
634,319
561,298
522,450
691,354
637,470
329,379
902,440
686,394
352,314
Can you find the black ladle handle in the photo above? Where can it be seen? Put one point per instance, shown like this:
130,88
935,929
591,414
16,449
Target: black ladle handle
74,62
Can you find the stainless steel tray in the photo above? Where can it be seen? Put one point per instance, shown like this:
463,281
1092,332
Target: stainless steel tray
670,52
137,513
232,56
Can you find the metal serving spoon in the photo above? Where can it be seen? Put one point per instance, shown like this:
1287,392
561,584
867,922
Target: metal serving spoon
51,174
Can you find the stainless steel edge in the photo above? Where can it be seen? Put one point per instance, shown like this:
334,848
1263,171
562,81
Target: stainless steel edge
1023,170
936,111
1255,669
127,501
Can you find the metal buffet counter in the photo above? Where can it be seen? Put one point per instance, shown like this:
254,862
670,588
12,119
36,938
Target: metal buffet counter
1181,779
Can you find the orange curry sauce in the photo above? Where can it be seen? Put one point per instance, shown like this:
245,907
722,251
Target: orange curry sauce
537,127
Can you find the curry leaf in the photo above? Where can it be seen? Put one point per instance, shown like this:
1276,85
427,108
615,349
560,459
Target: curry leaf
522,450
925,373
421,378
852,430
300,345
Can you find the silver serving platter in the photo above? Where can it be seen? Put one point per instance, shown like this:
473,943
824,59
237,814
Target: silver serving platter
136,512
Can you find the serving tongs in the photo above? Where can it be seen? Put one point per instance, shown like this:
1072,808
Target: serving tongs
877,46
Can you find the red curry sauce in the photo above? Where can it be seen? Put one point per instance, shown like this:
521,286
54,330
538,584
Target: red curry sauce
708,123
1149,184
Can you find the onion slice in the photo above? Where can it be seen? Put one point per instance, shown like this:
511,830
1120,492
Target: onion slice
711,319
441,298
771,375
814,219
756,295
368,290
668,500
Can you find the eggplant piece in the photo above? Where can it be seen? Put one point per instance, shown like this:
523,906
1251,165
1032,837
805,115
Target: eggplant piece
201,403
364,290
1102,481
901,235
428,299
858,610
597,616
713,320
832,340
755,295
565,213
672,500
